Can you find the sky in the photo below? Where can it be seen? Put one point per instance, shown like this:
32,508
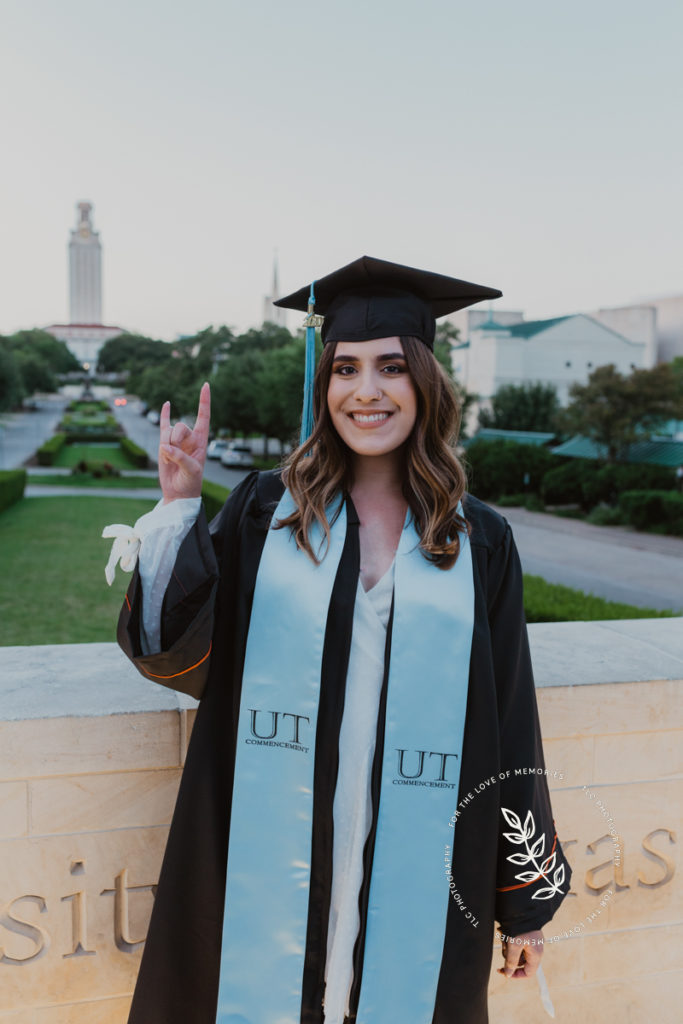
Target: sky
531,146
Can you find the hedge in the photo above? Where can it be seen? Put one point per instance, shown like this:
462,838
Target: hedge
606,483
564,484
213,496
48,452
94,436
586,483
88,404
499,467
100,421
134,453
12,483
648,509
531,502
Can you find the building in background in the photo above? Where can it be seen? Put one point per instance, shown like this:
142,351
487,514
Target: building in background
659,322
85,333
274,314
506,349
85,270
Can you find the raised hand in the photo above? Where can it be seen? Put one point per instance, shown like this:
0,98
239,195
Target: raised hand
182,452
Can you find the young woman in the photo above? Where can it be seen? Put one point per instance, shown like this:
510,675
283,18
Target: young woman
365,772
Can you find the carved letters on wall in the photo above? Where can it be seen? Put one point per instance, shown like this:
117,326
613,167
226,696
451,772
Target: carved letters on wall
12,920
655,870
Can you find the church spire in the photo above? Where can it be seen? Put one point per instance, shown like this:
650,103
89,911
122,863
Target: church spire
271,313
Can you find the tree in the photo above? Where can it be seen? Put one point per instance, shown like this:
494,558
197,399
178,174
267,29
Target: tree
131,352
258,388
677,371
236,393
11,389
282,389
522,407
55,355
262,339
445,340
615,411
175,380
35,373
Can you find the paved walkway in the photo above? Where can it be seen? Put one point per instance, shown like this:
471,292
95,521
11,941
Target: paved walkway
67,471
50,491
22,432
619,564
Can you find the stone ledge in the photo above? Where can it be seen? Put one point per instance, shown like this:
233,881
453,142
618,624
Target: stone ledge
78,681
613,651
86,680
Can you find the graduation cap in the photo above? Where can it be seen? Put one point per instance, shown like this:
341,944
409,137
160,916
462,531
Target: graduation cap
373,298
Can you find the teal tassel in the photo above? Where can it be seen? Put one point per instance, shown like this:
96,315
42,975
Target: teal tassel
309,371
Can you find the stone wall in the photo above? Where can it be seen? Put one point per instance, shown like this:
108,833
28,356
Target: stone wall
90,759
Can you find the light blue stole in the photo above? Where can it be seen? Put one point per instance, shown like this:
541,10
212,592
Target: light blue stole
269,858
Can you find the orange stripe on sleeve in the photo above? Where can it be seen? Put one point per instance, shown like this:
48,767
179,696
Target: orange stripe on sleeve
184,671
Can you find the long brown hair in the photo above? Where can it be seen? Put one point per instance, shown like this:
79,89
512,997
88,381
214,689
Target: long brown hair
434,480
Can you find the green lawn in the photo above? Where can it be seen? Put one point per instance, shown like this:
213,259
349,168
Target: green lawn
52,559
72,454
53,590
131,482
552,602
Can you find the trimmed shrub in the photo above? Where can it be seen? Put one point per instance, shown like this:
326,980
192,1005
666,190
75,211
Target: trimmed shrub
134,453
88,406
563,484
647,510
499,467
96,468
94,436
534,504
213,497
89,424
48,452
605,515
587,483
511,500
12,483
606,483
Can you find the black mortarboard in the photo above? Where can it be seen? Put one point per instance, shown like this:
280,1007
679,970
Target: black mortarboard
373,298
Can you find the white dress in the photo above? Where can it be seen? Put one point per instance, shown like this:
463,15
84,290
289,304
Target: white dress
352,810
162,533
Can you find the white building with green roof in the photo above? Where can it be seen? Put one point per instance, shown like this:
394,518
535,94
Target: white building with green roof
505,349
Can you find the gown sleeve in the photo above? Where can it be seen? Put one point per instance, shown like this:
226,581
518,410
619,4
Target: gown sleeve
158,553
533,875
187,612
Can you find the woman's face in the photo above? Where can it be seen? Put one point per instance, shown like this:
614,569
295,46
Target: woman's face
371,395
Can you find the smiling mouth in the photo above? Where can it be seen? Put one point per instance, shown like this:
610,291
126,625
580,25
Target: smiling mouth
369,417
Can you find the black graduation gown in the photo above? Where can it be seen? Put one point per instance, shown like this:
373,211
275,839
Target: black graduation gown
205,619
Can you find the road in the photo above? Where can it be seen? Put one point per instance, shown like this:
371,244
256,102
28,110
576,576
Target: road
612,562
22,432
144,433
616,563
